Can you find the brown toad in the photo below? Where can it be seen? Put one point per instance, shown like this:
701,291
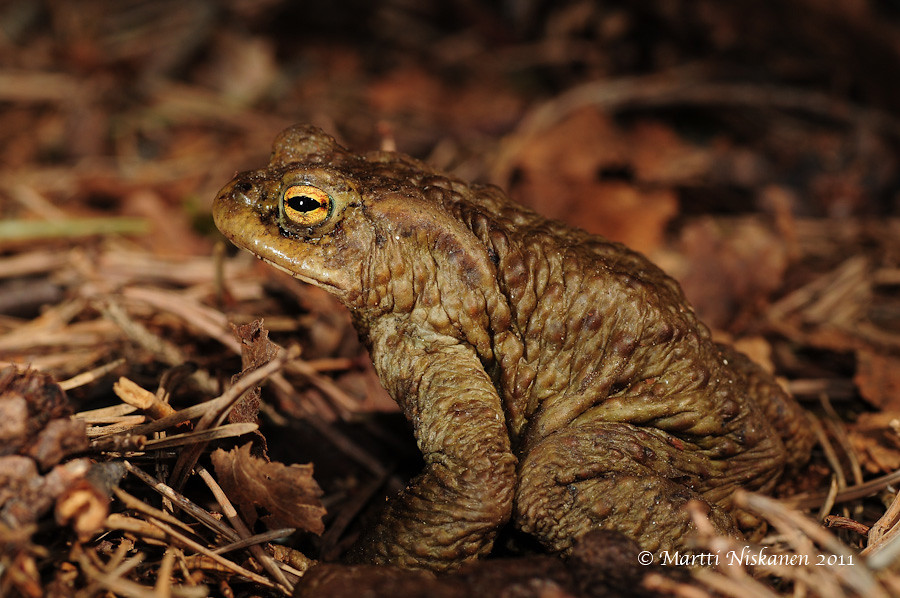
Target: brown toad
552,377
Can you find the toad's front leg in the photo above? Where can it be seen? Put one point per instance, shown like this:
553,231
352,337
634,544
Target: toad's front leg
452,510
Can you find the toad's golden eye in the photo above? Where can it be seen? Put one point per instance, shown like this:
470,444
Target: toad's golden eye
306,205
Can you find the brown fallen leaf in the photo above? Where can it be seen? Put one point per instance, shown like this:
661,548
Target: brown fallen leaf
733,267
288,493
878,379
593,173
419,94
256,351
875,438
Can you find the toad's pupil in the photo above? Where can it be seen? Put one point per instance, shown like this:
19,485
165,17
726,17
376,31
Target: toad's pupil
303,203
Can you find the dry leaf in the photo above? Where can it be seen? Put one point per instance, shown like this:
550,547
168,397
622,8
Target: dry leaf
878,379
732,267
591,173
486,105
256,351
875,438
288,493
256,348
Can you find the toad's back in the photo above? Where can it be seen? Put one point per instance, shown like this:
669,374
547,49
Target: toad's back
551,376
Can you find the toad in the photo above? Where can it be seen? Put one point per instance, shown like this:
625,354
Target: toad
554,379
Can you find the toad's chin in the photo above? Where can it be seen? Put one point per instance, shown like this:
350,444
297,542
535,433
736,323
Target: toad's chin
328,286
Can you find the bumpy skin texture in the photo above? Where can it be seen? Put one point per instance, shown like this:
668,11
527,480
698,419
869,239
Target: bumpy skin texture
552,377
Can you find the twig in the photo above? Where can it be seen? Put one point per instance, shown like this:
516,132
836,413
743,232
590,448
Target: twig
202,436
840,522
37,203
840,481
117,444
158,346
183,415
884,546
218,409
325,384
133,394
269,536
34,86
311,404
136,504
138,527
212,323
347,446
851,269
163,587
838,430
117,564
166,351
746,587
888,521
33,262
835,388
238,524
114,581
830,498
91,375
198,513
717,544
108,423
219,282
208,320
733,565
887,553
81,334
856,574
869,488
197,547
34,230
178,417
665,586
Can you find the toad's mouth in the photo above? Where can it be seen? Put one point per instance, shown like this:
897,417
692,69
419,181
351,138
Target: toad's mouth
256,246
330,287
